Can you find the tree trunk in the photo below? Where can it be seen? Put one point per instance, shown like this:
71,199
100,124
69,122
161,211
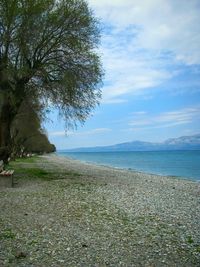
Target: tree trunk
8,111
6,117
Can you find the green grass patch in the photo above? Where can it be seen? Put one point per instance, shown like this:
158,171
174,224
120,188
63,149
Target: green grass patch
198,249
16,164
36,173
40,173
26,160
190,240
32,168
7,234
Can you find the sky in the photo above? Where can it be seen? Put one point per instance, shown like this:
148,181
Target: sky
150,51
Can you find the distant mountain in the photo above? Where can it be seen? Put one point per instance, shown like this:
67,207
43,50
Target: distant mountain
181,143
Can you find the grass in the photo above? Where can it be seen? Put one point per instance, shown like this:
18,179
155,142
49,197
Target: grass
190,240
7,233
36,172
25,160
31,168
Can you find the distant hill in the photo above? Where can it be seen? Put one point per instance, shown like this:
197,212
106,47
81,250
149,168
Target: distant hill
181,143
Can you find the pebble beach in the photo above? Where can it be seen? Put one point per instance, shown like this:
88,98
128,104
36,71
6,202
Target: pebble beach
88,215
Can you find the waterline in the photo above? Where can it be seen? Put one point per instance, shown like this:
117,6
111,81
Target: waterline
184,164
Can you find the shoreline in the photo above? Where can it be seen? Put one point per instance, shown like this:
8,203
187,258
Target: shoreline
63,212
128,169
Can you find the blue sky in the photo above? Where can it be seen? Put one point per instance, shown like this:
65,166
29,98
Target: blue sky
150,51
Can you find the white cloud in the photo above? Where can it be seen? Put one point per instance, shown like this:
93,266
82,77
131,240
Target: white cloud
165,119
94,131
172,25
129,71
85,133
57,133
145,38
138,113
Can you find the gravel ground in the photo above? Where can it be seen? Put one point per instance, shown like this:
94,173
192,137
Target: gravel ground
78,214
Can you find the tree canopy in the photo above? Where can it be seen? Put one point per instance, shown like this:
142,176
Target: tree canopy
48,52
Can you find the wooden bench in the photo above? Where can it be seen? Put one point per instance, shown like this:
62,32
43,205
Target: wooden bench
8,173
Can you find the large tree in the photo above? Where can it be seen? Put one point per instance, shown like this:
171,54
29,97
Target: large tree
47,51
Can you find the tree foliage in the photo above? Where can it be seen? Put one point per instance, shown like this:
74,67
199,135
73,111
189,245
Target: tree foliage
27,134
47,51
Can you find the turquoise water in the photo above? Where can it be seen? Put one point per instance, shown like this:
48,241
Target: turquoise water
184,164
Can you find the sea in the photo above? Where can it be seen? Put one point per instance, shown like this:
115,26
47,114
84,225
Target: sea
183,164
